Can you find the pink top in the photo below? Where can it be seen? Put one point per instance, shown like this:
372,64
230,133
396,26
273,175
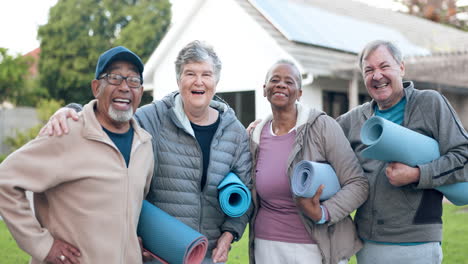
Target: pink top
278,218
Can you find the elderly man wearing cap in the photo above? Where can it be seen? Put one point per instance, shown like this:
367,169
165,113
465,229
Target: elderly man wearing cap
88,185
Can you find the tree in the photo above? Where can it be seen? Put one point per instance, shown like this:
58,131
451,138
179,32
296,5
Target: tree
13,72
78,31
440,11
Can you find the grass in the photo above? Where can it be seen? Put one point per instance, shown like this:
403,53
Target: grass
9,251
454,244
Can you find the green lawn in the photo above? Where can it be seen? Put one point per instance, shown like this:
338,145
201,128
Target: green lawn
455,243
9,251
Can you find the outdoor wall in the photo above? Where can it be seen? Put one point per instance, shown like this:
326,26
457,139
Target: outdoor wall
13,120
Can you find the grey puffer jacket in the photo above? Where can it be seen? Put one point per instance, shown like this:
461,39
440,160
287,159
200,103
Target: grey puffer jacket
410,213
178,166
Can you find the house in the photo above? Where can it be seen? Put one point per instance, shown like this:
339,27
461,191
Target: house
322,36
34,67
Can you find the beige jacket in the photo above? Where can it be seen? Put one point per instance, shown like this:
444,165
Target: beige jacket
84,193
320,138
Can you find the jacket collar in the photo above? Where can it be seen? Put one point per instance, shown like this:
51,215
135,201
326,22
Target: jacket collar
174,101
368,108
93,129
304,115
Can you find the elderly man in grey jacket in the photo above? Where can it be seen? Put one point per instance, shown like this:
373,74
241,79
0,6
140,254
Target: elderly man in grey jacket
401,221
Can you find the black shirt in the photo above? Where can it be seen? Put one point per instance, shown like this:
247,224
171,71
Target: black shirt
123,142
204,136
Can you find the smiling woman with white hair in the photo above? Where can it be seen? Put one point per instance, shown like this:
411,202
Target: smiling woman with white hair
198,141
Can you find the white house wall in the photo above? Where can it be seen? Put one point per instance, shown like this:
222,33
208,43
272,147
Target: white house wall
312,96
245,49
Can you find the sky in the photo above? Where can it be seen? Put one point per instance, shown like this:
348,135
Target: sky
20,20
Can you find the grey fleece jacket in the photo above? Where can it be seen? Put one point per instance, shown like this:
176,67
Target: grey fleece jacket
410,213
320,138
178,166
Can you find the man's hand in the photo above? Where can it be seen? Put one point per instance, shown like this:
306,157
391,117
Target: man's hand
311,206
399,174
220,253
57,124
63,253
253,125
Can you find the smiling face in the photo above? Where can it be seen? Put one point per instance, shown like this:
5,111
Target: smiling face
383,77
197,85
117,103
282,88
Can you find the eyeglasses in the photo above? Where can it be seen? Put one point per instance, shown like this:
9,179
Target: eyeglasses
117,79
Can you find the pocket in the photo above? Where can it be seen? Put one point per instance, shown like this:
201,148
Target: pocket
412,196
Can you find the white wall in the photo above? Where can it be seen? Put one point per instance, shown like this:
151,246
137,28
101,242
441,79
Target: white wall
14,120
244,48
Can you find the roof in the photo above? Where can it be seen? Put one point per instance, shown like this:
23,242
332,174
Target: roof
304,32
422,32
33,68
328,60
445,68
308,24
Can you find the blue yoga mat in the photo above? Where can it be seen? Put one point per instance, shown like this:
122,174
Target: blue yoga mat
168,238
234,196
308,176
390,142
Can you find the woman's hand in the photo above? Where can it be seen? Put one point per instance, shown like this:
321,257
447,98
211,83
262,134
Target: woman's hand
220,253
57,124
311,206
253,125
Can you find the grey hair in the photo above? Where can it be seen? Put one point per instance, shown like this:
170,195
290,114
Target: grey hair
197,51
287,62
372,46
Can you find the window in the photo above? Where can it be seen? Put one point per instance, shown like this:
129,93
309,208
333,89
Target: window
243,104
337,103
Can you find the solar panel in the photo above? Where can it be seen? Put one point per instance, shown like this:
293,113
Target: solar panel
303,23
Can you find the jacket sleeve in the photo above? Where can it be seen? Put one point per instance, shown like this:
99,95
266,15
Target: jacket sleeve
241,167
354,186
34,167
445,126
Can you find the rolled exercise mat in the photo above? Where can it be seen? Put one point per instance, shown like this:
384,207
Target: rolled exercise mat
309,175
234,196
168,238
389,142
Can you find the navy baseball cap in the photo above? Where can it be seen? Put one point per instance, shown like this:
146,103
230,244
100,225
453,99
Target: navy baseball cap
118,53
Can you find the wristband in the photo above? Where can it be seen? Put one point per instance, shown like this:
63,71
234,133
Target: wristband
324,216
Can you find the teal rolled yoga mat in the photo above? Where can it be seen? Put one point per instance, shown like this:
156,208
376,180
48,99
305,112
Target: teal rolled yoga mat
309,175
391,142
168,238
234,196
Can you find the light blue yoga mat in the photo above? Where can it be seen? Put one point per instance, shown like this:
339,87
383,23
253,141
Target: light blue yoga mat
168,238
390,142
234,196
309,175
